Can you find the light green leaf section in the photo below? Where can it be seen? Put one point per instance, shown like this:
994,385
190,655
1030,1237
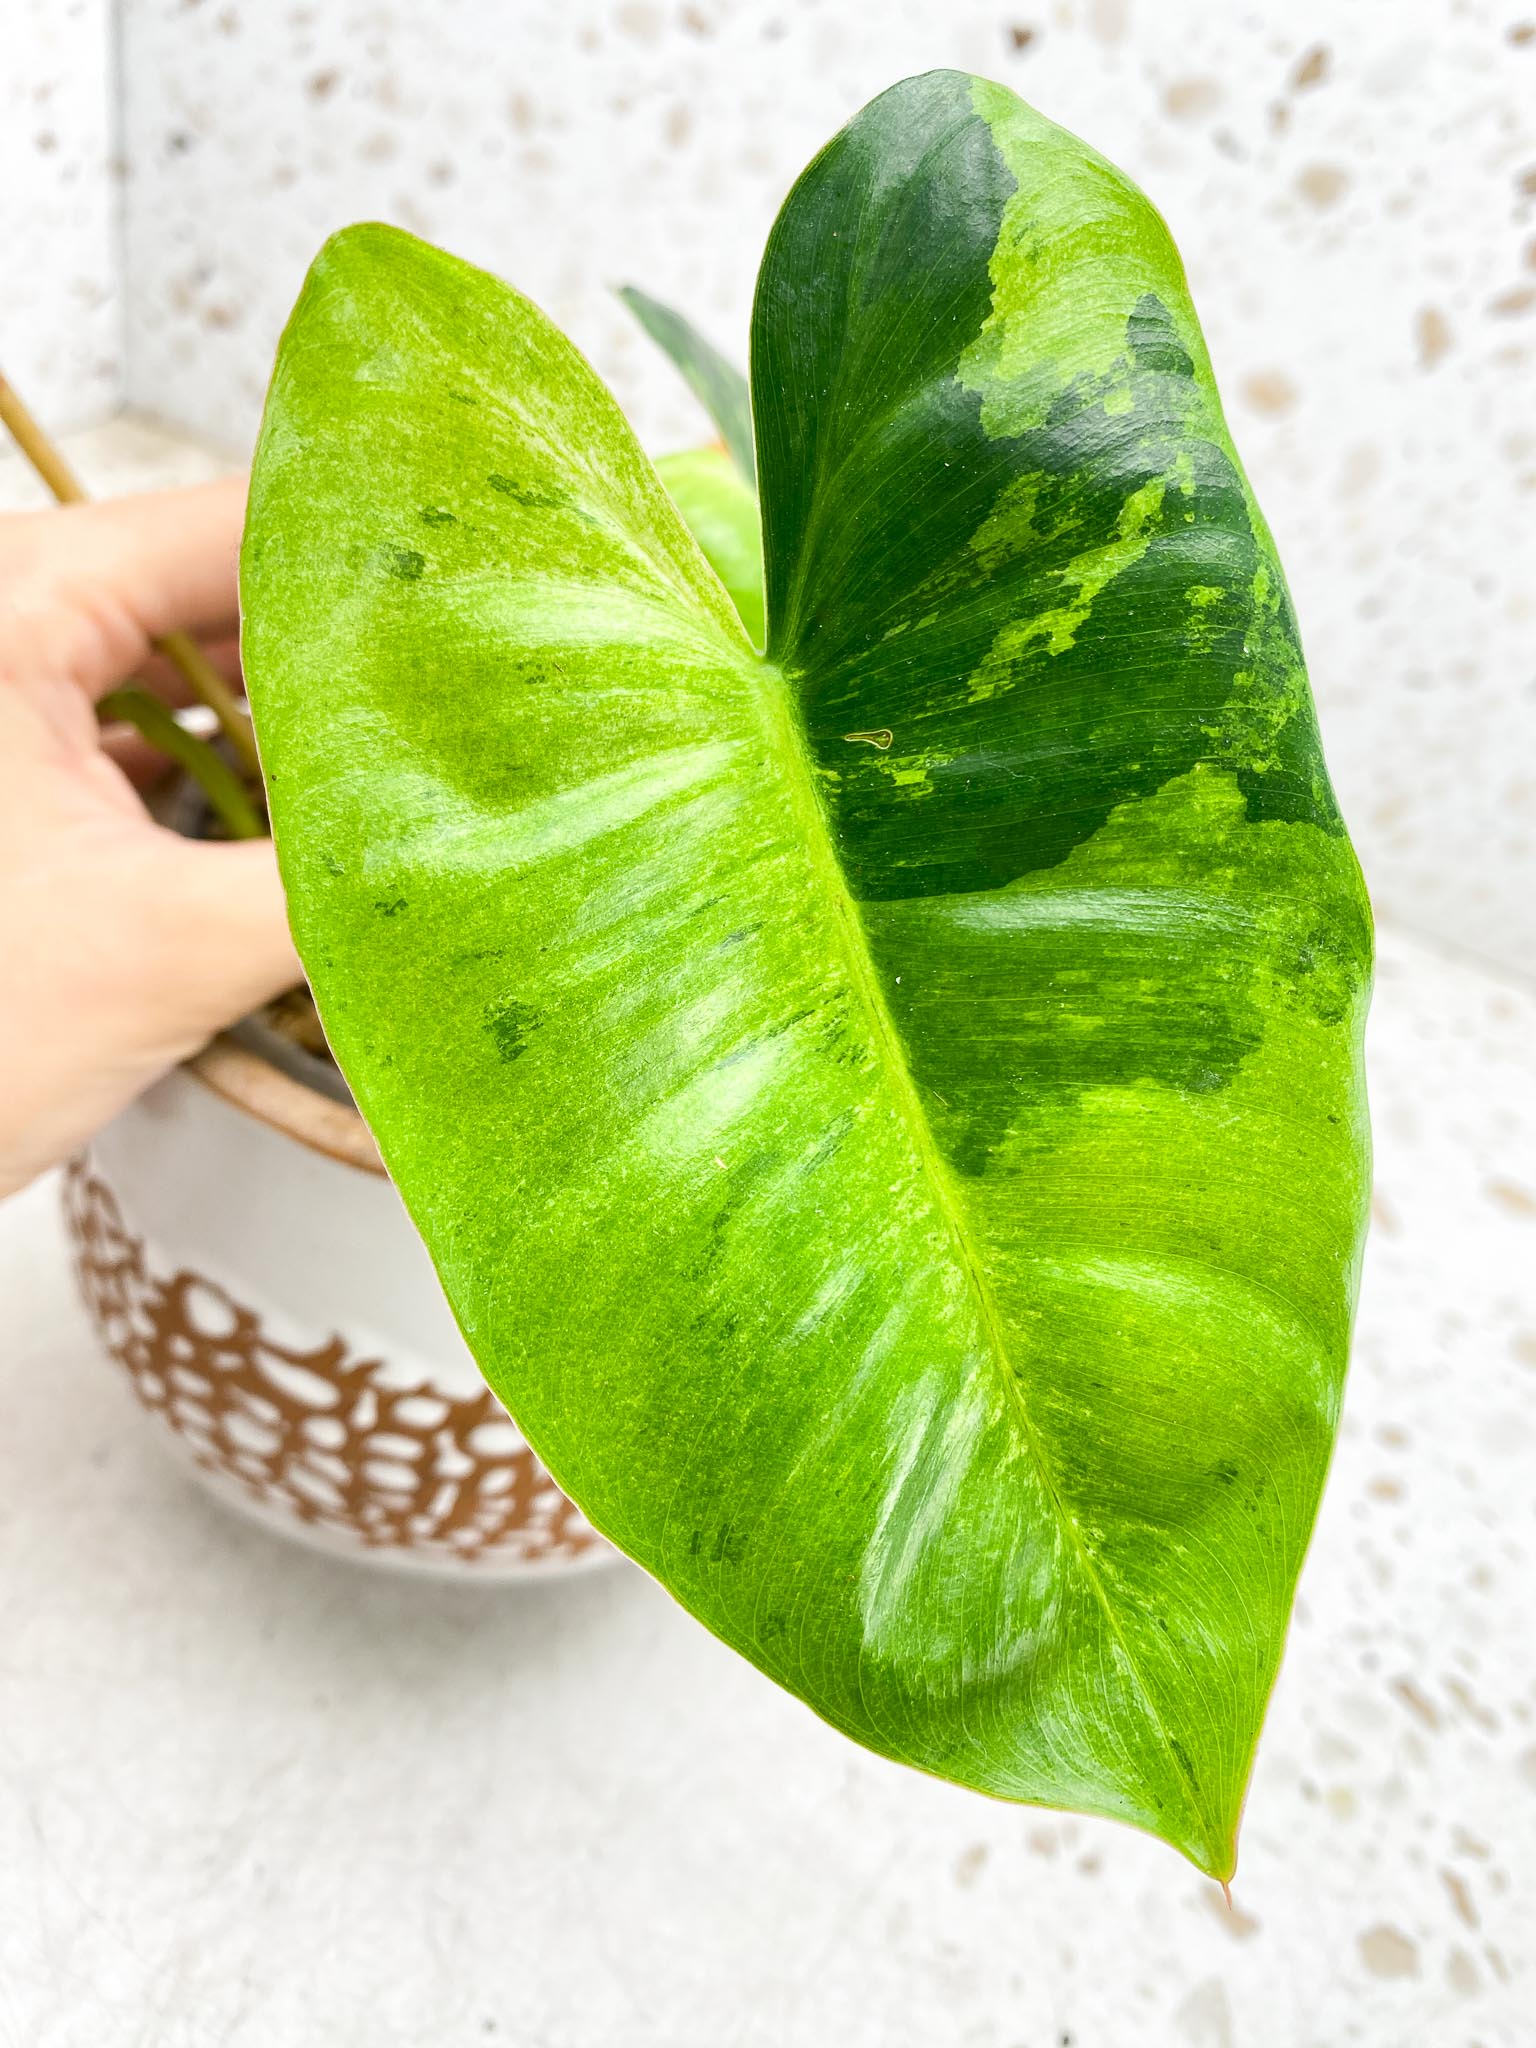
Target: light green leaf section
720,511
888,1117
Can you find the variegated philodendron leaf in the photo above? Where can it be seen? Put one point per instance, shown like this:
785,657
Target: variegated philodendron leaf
887,1113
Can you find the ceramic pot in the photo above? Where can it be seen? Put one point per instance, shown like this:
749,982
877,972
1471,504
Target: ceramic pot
250,1266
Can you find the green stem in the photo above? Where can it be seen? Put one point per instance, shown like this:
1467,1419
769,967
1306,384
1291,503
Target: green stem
213,775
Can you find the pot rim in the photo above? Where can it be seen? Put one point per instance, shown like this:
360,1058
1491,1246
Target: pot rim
283,1103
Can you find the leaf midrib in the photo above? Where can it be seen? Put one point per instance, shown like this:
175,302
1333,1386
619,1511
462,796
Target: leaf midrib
788,741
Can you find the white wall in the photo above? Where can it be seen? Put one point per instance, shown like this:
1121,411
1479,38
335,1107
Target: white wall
1353,183
60,309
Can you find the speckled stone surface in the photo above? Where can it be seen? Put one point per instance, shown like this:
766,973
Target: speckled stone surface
61,311
1353,183
251,1797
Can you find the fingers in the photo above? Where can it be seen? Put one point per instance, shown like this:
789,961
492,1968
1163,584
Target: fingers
138,948
90,586
168,558
228,930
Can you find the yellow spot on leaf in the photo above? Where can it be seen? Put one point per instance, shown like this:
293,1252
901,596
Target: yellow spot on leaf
1089,572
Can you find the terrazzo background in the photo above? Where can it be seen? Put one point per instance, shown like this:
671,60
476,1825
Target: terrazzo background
61,338
290,1806
1353,183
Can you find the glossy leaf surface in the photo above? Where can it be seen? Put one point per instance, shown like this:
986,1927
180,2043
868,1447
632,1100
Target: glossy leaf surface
717,384
888,1115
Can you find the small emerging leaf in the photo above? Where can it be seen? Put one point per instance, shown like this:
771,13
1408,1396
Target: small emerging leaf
717,384
888,1114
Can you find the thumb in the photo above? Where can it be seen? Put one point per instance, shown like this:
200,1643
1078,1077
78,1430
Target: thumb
167,944
226,932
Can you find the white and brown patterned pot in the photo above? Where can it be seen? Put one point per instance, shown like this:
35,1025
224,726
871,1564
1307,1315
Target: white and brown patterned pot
248,1263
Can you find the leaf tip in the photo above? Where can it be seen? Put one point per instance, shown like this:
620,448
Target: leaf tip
1216,1858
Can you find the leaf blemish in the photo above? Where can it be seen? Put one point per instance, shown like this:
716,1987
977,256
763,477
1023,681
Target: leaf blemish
524,494
509,1022
393,907
437,515
880,738
406,563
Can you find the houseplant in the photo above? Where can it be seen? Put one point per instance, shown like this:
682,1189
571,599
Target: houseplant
887,1111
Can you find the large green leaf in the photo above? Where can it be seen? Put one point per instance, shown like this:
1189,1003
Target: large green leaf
888,1115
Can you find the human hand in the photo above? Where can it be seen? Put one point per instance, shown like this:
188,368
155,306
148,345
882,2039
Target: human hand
125,946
